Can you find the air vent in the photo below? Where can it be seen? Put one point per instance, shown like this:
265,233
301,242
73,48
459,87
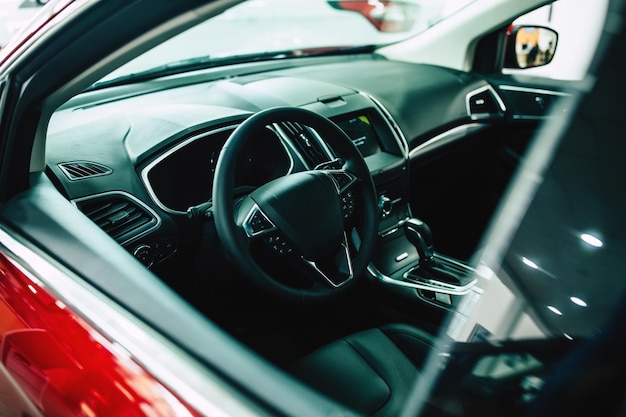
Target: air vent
83,169
120,217
483,103
304,141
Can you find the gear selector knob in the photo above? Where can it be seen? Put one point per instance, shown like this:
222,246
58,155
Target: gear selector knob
419,234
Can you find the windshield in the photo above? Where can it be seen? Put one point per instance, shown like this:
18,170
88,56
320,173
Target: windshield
271,29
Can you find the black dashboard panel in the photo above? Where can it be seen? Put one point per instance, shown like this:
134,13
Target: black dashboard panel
159,141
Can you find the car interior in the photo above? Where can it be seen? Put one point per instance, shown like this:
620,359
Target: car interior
325,212
439,153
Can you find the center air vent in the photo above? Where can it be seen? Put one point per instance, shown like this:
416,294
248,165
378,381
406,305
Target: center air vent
83,169
119,216
305,142
484,103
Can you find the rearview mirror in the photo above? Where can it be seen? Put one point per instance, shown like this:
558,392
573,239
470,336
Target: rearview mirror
392,16
529,46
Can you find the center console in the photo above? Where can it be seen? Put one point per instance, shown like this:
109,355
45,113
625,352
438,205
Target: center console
404,258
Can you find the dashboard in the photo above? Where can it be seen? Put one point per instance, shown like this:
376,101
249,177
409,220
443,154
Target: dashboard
137,158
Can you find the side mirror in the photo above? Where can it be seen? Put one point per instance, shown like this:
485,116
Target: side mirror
529,46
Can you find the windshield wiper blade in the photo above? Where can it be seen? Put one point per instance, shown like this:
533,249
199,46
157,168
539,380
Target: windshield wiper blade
186,65
164,70
205,62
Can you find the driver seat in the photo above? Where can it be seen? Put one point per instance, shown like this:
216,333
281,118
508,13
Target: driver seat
372,371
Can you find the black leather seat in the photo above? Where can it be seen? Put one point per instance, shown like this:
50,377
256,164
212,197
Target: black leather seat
371,371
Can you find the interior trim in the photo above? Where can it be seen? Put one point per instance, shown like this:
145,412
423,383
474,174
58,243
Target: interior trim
134,200
444,288
533,90
163,156
493,93
445,138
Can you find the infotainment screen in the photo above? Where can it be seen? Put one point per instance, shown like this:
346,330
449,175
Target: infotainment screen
361,131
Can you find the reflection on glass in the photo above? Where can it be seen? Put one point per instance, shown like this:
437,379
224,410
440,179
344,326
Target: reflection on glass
578,301
591,240
530,263
555,310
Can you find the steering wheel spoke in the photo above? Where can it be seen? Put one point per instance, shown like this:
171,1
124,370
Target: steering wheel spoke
344,181
335,271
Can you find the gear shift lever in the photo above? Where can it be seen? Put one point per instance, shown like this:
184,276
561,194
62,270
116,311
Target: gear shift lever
436,273
419,234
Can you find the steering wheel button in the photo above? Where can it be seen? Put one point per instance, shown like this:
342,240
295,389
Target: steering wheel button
258,223
342,179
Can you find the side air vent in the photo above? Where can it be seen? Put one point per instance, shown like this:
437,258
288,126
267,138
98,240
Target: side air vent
119,216
83,169
305,142
483,103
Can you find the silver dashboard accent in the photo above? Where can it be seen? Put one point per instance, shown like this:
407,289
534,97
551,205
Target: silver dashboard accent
402,257
169,152
487,88
390,231
249,228
445,138
286,141
80,170
429,285
539,98
348,259
533,90
395,129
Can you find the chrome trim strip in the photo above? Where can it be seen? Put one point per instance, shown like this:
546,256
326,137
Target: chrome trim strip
287,142
348,259
533,90
530,90
383,278
390,231
494,94
128,336
169,152
397,132
130,197
323,144
440,287
445,138
402,257
247,227
166,154
106,170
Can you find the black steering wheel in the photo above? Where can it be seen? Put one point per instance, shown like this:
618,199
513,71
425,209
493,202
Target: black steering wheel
320,225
